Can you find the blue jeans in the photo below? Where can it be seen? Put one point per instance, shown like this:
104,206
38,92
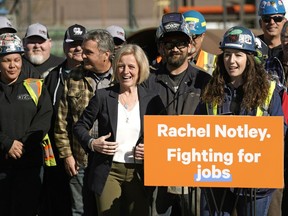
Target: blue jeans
244,205
76,187
82,199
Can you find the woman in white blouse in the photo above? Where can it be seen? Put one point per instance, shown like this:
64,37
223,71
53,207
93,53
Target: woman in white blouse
119,150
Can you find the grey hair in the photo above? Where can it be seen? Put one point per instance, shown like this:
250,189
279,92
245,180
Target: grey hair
104,40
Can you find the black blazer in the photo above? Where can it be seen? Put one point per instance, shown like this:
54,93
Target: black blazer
103,106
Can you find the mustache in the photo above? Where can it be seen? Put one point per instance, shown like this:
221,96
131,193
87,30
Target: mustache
172,53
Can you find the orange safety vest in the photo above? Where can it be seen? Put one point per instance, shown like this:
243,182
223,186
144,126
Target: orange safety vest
206,61
34,88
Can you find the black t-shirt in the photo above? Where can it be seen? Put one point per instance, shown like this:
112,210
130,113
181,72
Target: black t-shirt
175,80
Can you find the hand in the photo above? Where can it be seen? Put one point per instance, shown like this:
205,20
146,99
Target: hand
139,152
105,147
16,150
70,166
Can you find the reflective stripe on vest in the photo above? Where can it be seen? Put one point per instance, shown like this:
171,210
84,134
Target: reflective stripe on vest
34,88
261,111
206,61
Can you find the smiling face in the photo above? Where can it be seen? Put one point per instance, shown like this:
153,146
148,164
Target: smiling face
175,49
235,64
73,50
10,67
272,24
127,71
37,49
94,59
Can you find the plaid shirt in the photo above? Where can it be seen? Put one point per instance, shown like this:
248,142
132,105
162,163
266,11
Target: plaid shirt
78,90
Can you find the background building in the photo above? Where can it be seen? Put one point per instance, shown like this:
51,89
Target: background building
133,15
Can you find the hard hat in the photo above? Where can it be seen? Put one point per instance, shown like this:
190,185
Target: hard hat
240,38
10,43
267,7
196,22
261,51
172,23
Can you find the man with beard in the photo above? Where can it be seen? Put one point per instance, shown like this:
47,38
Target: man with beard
27,68
37,46
56,186
179,85
95,73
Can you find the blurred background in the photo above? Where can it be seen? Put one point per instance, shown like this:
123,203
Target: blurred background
135,16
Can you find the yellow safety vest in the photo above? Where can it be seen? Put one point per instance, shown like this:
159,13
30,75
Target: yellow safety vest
261,111
34,88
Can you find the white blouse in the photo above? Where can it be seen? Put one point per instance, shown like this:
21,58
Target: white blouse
128,129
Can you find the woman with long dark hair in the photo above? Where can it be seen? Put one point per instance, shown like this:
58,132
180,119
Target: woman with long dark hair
239,86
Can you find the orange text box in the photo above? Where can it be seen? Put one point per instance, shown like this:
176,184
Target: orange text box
214,151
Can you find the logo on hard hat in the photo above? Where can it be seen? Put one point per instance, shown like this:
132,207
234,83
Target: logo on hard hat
192,26
263,4
236,35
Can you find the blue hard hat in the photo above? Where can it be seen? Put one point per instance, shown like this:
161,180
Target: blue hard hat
196,22
267,7
10,43
240,38
172,23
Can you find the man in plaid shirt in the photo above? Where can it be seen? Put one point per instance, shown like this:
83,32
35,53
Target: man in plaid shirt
95,73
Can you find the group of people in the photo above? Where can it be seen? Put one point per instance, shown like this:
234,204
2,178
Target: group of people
92,105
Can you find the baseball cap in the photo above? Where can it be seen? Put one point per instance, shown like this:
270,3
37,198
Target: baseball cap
116,32
75,33
171,24
6,24
37,29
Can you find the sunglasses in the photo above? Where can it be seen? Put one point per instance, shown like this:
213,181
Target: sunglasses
267,19
179,45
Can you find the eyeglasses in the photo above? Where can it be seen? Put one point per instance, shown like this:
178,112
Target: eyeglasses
195,36
179,45
267,19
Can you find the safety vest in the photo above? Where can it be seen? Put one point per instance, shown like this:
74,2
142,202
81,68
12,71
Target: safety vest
206,61
34,88
261,111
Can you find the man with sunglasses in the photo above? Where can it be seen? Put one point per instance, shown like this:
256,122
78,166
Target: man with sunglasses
272,20
197,27
179,85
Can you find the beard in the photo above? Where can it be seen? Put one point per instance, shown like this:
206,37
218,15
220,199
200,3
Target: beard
176,60
36,59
